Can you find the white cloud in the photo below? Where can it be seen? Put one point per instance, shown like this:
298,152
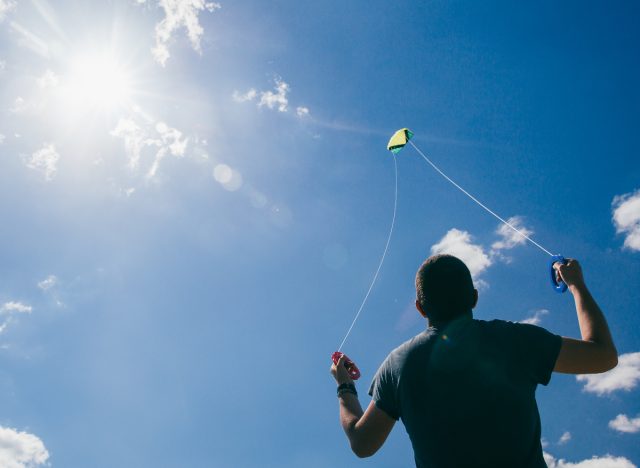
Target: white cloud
21,449
19,105
459,243
536,318
44,160
2,138
276,99
626,218
510,238
3,65
48,80
179,14
10,307
608,461
140,134
622,423
5,7
244,97
623,377
564,438
47,283
135,139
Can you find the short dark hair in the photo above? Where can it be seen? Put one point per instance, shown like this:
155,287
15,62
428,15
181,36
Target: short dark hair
444,288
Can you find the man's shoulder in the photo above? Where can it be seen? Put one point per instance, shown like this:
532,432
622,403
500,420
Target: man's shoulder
505,325
515,334
399,355
414,342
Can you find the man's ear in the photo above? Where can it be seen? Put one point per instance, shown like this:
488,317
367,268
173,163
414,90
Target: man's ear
475,298
419,307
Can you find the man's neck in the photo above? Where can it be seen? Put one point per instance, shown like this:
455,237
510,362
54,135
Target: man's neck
440,325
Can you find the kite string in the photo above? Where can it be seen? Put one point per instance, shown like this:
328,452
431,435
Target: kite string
477,201
384,254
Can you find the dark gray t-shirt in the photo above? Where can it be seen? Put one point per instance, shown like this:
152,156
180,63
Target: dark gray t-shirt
466,393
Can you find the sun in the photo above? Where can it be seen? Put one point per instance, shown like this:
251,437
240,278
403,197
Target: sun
97,82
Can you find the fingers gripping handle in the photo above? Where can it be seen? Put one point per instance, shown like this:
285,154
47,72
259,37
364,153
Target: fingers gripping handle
559,285
352,369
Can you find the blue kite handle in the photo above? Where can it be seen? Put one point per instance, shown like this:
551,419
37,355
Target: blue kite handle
559,286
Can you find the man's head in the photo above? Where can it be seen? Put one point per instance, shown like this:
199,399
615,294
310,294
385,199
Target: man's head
444,289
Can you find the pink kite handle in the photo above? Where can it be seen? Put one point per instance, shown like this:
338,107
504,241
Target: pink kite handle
352,369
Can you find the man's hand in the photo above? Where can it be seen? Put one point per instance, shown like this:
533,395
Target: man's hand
340,372
570,273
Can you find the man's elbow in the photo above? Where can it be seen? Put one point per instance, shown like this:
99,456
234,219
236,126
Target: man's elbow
608,361
363,450
612,360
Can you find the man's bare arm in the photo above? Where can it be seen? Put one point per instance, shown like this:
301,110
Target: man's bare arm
367,430
595,352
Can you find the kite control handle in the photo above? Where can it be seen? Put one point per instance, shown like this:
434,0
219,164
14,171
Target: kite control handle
559,285
352,369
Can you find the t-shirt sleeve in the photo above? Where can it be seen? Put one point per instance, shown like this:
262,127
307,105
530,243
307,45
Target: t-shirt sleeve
539,350
383,389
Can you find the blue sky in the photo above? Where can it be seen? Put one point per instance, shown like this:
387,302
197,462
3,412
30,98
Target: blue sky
195,196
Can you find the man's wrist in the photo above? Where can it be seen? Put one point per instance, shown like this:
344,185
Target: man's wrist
346,387
578,288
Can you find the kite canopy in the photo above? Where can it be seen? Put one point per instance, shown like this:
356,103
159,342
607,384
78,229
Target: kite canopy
399,139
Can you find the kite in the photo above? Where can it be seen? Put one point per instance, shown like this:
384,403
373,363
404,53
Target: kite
399,139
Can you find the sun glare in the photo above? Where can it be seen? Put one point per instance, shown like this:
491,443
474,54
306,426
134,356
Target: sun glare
97,83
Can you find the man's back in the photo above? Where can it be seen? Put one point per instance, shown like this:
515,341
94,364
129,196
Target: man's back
466,393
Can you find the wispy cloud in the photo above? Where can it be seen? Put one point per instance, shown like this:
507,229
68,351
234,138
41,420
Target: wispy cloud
276,98
48,283
536,317
626,218
21,450
179,14
564,438
140,132
19,105
48,80
49,286
623,377
460,244
9,309
13,306
607,461
302,111
5,7
622,423
250,95
510,238
44,160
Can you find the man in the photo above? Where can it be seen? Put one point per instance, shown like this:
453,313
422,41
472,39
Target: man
465,388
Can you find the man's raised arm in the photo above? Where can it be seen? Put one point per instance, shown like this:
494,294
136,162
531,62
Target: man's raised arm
595,352
367,430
